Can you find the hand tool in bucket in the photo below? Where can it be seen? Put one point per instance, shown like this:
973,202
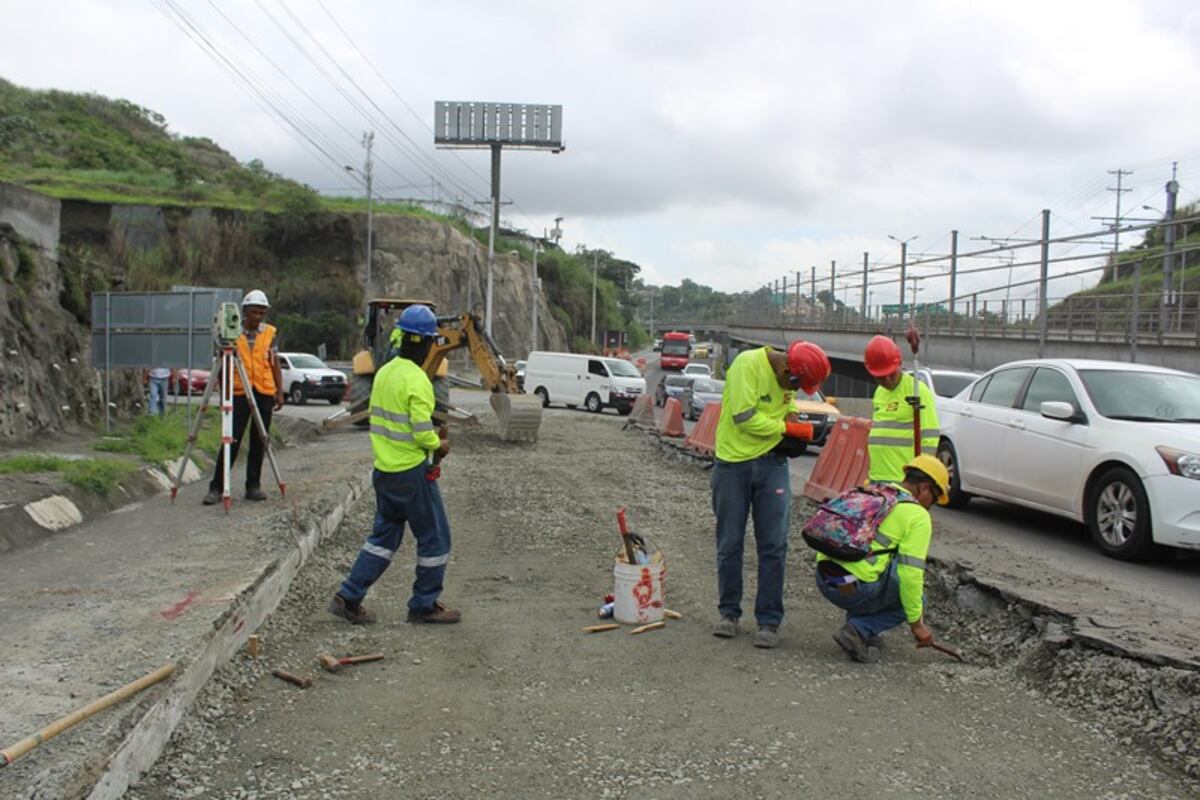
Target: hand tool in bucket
626,536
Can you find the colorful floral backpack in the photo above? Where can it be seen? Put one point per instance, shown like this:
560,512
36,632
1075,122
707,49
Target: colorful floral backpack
845,526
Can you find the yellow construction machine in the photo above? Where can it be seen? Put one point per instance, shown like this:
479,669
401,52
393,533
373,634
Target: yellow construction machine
519,415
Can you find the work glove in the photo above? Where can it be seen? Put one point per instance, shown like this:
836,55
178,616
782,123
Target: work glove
798,430
921,633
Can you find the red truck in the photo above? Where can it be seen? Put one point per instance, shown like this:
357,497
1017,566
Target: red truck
676,349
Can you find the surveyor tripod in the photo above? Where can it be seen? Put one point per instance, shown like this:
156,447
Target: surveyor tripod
229,361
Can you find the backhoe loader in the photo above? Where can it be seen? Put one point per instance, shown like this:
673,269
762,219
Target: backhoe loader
519,415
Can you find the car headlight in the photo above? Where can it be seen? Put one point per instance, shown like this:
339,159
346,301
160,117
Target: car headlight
311,379
1180,462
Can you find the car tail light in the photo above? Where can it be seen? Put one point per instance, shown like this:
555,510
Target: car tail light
1180,462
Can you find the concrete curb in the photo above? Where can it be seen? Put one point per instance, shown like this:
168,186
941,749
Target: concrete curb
149,736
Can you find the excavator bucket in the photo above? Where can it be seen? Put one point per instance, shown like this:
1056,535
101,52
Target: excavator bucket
519,415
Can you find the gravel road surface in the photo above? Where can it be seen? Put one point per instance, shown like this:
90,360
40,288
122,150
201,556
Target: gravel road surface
517,702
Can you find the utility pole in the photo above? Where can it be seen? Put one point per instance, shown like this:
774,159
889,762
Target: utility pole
487,324
1043,278
652,312
595,269
556,231
797,293
1164,313
813,280
368,141
1120,173
953,274
863,311
832,288
903,265
533,295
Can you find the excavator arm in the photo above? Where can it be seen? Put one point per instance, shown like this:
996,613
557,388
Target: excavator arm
455,333
519,415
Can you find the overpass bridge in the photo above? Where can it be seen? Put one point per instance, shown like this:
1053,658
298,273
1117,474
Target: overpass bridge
956,346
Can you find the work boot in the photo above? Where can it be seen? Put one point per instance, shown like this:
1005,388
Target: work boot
727,628
354,613
850,640
438,615
255,493
212,498
767,637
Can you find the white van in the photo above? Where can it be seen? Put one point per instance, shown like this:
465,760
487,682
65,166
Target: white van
593,382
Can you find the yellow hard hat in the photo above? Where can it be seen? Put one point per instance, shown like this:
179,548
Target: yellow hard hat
936,470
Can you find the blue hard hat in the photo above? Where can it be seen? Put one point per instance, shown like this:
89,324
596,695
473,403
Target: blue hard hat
418,319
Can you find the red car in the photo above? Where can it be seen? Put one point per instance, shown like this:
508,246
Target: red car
185,381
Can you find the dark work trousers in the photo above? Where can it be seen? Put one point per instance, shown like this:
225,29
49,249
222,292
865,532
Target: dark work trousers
242,420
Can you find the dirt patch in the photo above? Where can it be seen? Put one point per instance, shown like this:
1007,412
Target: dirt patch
516,702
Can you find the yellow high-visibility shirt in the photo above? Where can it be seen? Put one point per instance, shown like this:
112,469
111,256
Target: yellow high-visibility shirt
753,406
402,430
909,528
890,444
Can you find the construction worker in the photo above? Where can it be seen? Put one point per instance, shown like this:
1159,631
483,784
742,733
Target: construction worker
259,353
407,450
882,591
890,444
751,476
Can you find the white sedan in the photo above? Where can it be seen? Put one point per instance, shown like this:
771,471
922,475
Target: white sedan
1111,444
698,370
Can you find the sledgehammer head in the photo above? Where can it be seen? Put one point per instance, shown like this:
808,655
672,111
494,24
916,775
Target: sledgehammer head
329,663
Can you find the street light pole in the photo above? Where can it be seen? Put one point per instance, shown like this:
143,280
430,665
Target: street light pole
595,269
533,296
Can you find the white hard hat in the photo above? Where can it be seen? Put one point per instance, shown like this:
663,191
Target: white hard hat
255,298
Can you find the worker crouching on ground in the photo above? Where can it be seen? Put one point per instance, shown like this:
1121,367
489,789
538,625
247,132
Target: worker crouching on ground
887,587
259,353
751,476
890,444
408,450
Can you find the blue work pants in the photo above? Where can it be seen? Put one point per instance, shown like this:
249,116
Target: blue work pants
407,497
759,488
158,397
871,608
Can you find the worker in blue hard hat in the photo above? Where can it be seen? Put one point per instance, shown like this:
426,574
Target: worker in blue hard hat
408,448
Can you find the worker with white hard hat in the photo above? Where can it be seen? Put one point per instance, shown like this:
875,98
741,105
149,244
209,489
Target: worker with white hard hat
259,353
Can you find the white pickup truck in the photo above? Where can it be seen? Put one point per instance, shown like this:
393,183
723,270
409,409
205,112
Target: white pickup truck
306,377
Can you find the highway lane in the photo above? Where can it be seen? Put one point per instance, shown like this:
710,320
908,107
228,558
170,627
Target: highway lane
1049,554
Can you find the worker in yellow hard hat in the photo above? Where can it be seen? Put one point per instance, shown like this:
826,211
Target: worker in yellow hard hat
885,586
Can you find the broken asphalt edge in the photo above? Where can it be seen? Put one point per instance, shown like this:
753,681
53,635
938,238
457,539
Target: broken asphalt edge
1080,630
148,737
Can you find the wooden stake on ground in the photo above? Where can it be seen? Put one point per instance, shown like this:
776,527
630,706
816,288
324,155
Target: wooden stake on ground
653,626
11,754
252,646
610,626
669,614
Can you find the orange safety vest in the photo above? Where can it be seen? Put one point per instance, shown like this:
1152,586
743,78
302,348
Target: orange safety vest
257,361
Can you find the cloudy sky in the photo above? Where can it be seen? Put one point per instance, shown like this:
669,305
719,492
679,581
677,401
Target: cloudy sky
729,143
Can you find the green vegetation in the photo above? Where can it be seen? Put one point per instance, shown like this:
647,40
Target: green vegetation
98,475
159,439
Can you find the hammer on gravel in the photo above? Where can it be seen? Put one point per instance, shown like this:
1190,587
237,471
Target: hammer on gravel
331,664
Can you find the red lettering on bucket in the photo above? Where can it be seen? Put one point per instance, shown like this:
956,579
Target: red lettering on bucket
643,590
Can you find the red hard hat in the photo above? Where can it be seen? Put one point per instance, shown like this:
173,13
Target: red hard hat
882,357
808,364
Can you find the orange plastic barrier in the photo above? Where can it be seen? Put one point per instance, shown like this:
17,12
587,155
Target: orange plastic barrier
642,412
671,423
703,438
843,461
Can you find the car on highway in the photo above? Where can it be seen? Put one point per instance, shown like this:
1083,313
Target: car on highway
698,394
822,413
698,370
700,351
657,345
519,366
306,377
1111,444
671,386
947,382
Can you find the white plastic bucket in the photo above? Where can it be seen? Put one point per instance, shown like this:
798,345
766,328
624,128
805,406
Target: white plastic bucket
638,593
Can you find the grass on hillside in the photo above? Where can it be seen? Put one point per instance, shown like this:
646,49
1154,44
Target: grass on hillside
159,439
98,475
